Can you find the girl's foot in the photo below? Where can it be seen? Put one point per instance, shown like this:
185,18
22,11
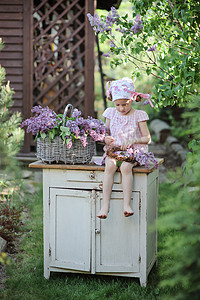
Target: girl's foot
103,213
128,212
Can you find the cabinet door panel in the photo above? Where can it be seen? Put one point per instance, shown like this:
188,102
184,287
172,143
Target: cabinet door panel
117,238
70,224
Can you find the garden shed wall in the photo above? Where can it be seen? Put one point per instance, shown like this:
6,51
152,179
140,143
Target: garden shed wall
48,55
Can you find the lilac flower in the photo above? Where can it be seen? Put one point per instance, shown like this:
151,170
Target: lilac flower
97,24
112,44
100,26
74,128
122,30
145,102
45,119
84,140
106,54
143,158
69,144
137,27
76,113
97,129
152,48
114,13
112,17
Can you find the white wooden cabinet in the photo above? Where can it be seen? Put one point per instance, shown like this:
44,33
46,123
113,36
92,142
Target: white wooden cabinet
75,240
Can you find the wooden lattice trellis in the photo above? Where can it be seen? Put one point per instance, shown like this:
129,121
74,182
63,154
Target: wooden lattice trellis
60,62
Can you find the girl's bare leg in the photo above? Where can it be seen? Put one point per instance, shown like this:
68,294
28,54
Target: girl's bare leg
127,186
110,169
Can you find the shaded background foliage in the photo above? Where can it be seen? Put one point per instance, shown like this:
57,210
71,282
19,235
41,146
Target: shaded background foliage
173,70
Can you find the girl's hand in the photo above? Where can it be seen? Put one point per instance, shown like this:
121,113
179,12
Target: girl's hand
126,144
109,140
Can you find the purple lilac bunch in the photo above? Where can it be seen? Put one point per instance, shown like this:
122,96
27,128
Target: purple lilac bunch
47,122
137,26
77,127
44,120
152,48
101,26
141,157
96,129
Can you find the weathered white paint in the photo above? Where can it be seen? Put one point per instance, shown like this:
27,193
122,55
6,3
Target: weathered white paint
75,240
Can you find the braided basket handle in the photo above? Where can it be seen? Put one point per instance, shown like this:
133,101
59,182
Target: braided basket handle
67,112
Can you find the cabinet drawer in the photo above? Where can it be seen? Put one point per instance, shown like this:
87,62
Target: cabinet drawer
89,176
78,179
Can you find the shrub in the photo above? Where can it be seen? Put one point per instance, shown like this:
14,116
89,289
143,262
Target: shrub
10,221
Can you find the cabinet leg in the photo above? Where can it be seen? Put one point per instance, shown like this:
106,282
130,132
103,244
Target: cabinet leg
143,281
46,273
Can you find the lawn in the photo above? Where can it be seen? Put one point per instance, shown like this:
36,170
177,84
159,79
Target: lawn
25,275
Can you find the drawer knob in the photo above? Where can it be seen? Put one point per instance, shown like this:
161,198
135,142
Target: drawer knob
92,175
97,231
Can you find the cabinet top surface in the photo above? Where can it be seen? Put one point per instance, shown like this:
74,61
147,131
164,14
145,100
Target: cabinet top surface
88,167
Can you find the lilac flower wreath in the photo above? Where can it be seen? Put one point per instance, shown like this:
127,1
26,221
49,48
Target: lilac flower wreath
136,157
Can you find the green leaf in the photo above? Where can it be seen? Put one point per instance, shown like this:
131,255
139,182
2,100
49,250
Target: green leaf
67,141
119,163
65,130
148,70
43,135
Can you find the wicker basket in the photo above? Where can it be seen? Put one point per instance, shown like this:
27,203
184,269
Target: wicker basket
55,151
78,154
48,150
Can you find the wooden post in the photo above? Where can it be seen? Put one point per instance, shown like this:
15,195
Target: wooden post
89,61
27,66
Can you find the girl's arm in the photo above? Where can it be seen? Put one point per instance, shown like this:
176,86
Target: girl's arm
144,139
108,139
145,134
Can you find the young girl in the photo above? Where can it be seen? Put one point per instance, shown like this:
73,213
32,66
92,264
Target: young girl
126,127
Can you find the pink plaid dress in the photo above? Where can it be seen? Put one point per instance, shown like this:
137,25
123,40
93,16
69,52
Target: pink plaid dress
124,127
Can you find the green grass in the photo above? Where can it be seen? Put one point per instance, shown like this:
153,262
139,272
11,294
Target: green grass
26,282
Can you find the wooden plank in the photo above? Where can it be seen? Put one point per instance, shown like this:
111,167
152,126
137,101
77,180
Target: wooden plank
27,67
16,86
89,61
89,167
14,71
10,24
11,63
11,55
11,8
11,47
17,103
10,32
12,40
11,16
18,95
11,2
14,78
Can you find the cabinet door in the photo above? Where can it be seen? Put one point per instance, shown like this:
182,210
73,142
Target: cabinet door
70,226
117,237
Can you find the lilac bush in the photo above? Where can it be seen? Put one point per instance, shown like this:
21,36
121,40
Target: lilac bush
46,122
